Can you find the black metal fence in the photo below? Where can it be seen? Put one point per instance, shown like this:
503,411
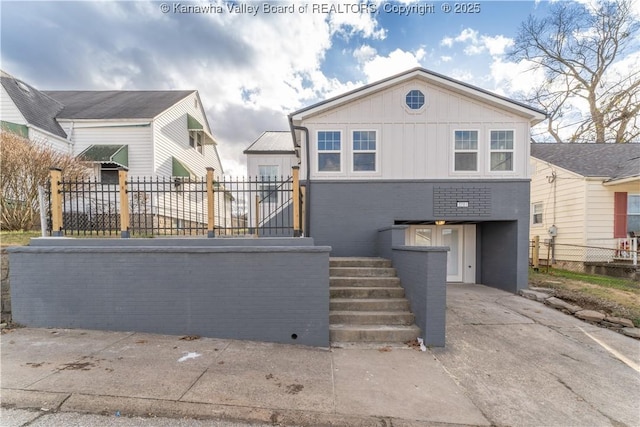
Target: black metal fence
175,206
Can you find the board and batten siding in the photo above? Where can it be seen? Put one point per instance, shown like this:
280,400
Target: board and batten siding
137,136
171,138
419,144
568,194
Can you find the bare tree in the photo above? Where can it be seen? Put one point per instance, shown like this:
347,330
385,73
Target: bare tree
585,53
25,166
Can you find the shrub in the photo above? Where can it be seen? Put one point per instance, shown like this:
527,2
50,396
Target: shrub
25,166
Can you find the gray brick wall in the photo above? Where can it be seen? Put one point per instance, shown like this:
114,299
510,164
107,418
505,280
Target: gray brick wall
454,201
269,293
423,273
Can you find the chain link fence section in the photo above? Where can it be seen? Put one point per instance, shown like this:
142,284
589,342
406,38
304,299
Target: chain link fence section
575,257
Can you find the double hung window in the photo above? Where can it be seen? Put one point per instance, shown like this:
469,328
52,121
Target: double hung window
329,151
466,150
501,148
537,213
364,151
195,140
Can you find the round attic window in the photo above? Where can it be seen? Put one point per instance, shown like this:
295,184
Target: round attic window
415,99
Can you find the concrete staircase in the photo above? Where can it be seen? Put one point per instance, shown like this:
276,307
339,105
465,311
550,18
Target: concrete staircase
367,303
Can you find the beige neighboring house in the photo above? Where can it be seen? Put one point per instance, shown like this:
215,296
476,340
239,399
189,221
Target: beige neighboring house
587,195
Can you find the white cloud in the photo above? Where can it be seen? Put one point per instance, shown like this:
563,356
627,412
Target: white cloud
364,53
447,41
467,34
497,45
476,44
349,24
379,67
446,58
515,77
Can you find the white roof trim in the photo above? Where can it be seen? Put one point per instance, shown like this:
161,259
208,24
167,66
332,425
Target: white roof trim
534,115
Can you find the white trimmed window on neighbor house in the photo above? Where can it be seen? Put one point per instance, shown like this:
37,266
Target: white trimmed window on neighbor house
109,174
195,140
633,214
268,175
536,214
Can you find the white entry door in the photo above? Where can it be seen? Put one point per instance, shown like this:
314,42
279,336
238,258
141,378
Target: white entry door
443,235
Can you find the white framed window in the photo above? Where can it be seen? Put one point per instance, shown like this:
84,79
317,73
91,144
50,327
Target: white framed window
633,214
195,140
536,213
268,175
465,151
109,174
364,150
414,99
329,151
501,150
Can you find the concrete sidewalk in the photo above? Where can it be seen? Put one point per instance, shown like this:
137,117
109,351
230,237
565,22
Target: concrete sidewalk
508,361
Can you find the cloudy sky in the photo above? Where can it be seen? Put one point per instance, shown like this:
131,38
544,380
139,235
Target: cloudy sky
254,64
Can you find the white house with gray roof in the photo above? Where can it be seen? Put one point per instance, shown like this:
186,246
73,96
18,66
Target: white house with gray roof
151,133
272,154
590,193
26,111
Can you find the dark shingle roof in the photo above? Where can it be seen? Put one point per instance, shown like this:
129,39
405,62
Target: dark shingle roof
115,104
614,161
272,142
37,108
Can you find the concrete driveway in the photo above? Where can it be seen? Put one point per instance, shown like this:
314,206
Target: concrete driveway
508,361
525,364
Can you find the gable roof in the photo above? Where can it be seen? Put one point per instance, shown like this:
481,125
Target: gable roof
272,142
37,108
614,161
115,104
534,115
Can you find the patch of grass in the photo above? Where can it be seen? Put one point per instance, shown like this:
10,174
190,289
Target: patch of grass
606,281
610,295
17,238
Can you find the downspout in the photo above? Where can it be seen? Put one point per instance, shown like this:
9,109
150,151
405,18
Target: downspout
307,211
69,137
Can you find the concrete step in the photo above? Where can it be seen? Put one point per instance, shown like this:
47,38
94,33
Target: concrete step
366,292
373,333
362,272
369,304
345,282
371,317
359,262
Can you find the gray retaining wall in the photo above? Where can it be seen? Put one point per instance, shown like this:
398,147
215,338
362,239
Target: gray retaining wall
423,273
5,287
266,293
